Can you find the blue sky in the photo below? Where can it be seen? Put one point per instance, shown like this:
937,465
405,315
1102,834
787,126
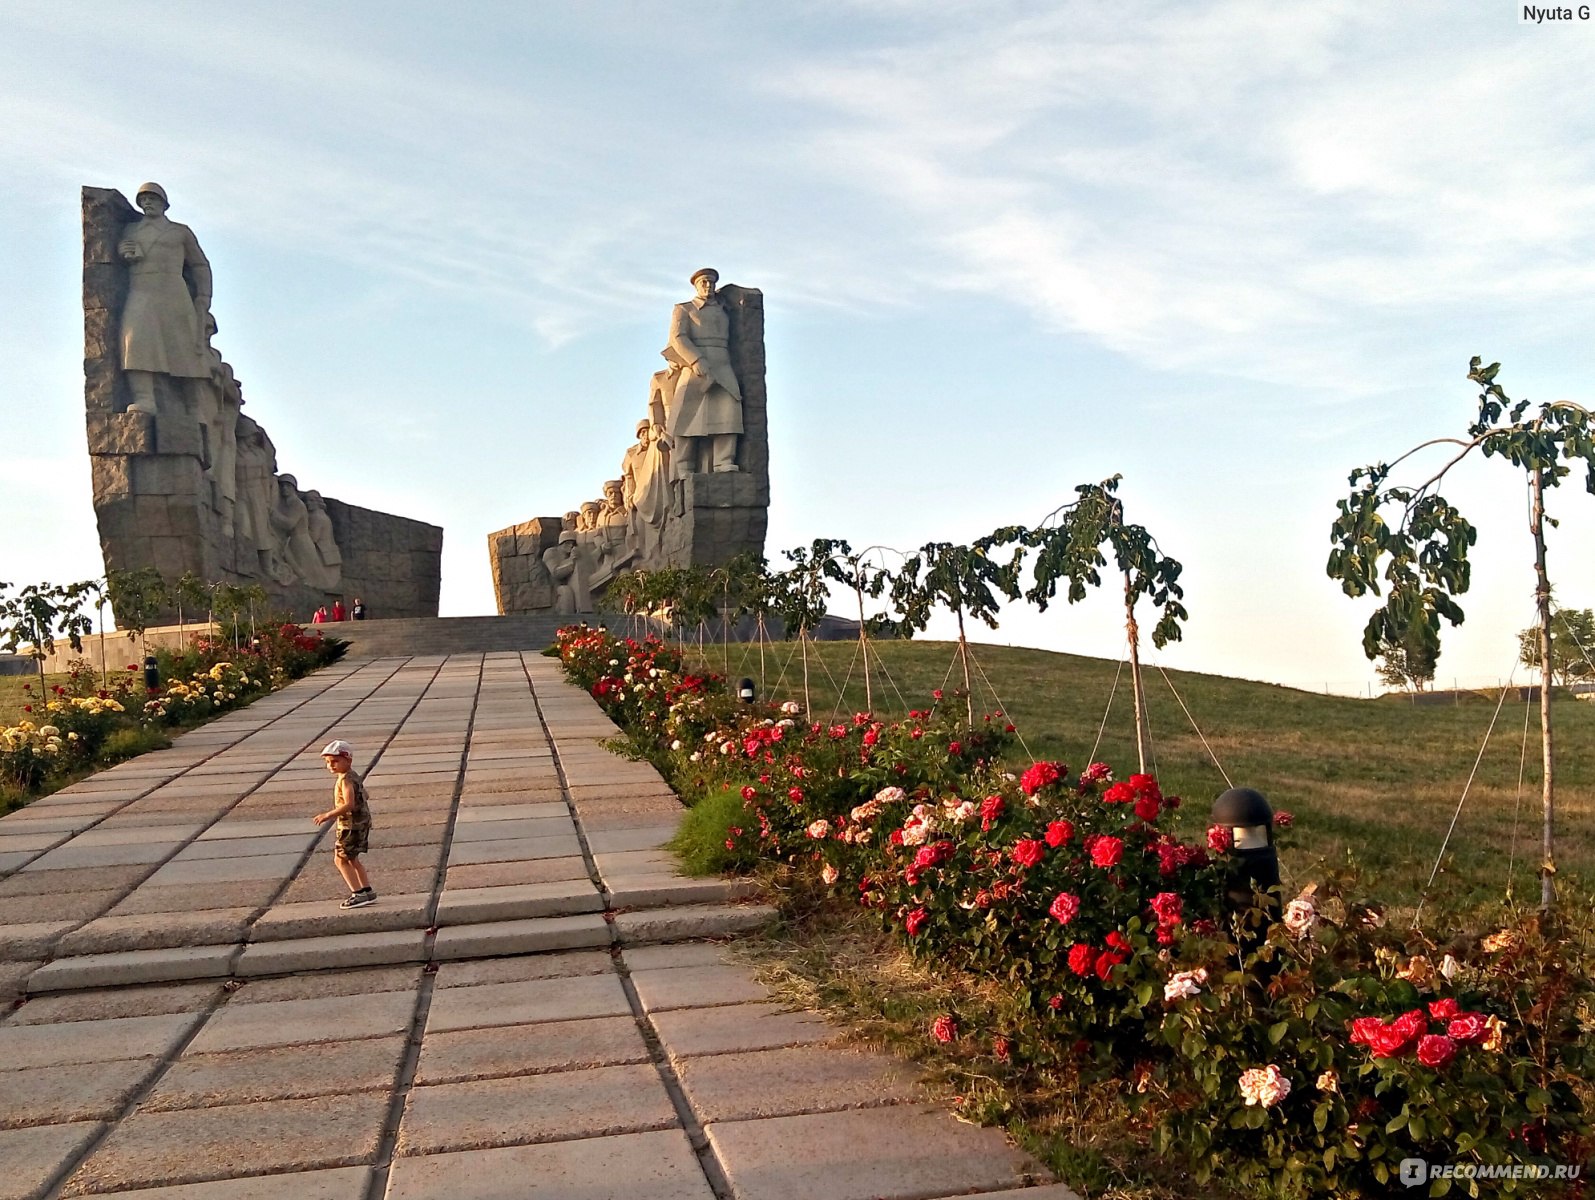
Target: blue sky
1229,250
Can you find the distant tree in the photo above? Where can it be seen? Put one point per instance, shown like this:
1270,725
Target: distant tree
40,613
1409,666
1572,645
137,597
188,592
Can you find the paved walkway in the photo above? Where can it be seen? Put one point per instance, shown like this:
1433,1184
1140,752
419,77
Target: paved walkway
190,1016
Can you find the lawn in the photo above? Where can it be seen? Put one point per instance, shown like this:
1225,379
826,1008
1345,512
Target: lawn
1379,780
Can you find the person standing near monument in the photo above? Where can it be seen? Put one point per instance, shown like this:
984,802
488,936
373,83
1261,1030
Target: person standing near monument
358,612
163,320
705,413
337,609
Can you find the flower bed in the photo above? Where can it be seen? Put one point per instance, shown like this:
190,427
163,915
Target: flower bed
1311,1063
91,721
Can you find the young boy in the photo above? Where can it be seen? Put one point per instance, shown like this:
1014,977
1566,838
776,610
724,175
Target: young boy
353,814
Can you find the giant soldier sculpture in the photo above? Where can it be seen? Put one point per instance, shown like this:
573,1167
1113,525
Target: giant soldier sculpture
164,317
705,411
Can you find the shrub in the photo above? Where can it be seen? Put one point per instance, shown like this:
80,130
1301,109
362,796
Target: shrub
710,838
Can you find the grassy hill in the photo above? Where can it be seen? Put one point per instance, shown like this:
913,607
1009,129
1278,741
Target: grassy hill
1378,779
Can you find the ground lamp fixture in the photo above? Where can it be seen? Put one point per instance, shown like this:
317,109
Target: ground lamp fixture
1250,820
746,692
152,672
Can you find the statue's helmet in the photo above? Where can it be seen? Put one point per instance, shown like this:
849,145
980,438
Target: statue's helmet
644,425
155,189
714,276
288,481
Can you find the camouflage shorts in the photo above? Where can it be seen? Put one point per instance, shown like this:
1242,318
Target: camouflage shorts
353,840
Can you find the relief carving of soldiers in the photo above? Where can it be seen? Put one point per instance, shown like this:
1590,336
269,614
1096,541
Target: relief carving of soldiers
705,410
217,400
168,301
645,489
569,573
290,521
325,539
256,470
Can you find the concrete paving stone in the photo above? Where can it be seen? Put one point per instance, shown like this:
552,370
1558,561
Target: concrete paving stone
658,891
231,828
638,797
481,831
16,860
529,1049
135,833
93,1041
467,905
78,879
568,999
535,934
637,862
548,792
689,921
124,967
329,953
516,871
58,1094
512,849
867,1154
320,881
302,1022
596,823
26,821
73,856
62,906
733,1028
287,843
278,1073
778,1083
21,843
678,954
394,858
501,1112
316,985
14,979
472,814
204,871
321,918
35,939
519,968
696,987
178,898
1045,1191
390,835
104,1004
196,1145
647,837
30,1159
151,931
338,1183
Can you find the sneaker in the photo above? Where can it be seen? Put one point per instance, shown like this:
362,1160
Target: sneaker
360,899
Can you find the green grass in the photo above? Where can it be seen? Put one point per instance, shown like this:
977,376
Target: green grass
13,697
1378,779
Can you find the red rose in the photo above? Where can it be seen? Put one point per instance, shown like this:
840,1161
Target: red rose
1283,820
916,733
911,875
1412,1024
748,793
795,795
1039,775
1064,908
1387,1041
1146,808
1219,838
1106,852
1003,1048
1027,852
871,736
915,921
1081,958
1468,1028
1445,1009
1436,1051
955,748
945,1029
1119,793
990,809
1118,941
1363,1029
1168,906
1106,961
1059,832
1055,1003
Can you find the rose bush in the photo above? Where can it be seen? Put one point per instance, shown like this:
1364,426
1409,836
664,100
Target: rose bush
1308,1063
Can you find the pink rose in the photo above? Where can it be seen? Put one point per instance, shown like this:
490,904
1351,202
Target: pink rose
945,1029
1064,908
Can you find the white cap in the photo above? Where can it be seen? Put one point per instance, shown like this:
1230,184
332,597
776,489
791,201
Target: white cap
337,749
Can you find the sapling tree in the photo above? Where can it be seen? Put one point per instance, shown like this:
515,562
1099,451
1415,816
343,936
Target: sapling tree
40,613
964,579
188,591
862,577
800,598
1072,544
137,598
1420,552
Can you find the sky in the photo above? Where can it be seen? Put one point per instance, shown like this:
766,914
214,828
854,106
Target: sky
1230,251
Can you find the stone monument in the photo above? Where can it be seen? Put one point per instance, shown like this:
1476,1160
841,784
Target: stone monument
694,490
183,481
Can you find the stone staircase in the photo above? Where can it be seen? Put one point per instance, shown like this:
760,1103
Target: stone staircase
407,636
